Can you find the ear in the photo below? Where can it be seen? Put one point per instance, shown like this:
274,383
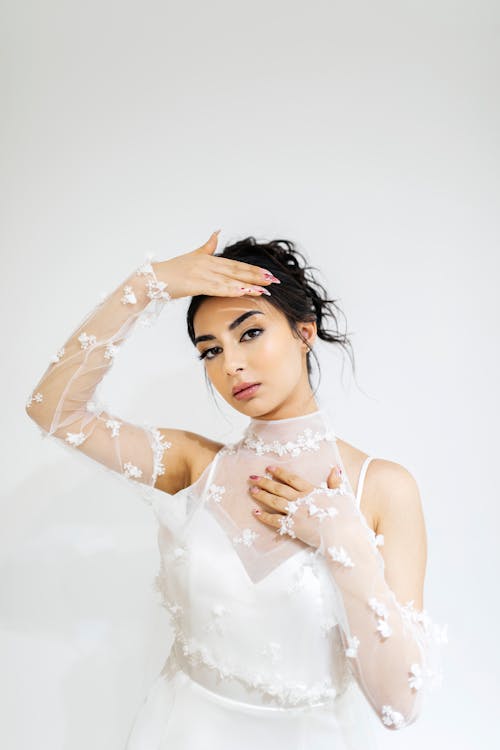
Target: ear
308,331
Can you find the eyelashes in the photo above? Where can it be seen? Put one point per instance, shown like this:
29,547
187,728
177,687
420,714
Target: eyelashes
204,354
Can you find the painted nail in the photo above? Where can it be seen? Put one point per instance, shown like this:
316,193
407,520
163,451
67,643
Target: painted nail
272,277
256,511
254,476
271,468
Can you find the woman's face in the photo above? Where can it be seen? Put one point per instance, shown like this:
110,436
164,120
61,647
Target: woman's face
246,339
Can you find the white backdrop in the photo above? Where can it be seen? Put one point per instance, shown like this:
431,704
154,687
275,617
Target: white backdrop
367,133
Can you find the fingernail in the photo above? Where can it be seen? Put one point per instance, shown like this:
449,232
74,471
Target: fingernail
272,277
256,511
265,291
254,476
271,468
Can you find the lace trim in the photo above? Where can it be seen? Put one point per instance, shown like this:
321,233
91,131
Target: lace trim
306,441
285,694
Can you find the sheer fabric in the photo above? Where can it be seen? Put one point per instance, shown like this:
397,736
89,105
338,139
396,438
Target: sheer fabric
273,634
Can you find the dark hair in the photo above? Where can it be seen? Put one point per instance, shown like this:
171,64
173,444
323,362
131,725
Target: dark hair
299,296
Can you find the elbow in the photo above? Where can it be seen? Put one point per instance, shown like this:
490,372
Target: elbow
39,416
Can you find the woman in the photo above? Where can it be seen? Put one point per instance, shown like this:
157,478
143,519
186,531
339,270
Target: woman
280,599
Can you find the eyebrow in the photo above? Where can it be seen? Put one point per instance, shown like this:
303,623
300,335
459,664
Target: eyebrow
231,326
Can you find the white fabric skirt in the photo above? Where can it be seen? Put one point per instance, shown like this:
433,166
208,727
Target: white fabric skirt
179,713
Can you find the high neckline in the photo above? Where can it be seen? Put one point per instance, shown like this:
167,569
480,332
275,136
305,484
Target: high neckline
290,435
285,419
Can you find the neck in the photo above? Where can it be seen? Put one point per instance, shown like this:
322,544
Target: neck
289,435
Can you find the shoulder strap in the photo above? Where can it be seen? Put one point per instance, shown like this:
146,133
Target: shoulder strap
361,479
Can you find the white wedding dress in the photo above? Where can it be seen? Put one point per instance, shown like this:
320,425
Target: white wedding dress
277,643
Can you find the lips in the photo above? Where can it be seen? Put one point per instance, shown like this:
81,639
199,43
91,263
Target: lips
243,389
242,386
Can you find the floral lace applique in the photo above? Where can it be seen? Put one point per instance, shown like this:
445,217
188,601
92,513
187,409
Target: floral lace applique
380,610
306,441
215,492
338,554
114,425
247,537
75,438
59,354
352,648
129,297
392,718
131,471
86,340
216,622
37,397
110,351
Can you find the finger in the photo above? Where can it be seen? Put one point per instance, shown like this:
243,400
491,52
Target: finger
210,245
288,477
277,503
335,477
275,488
270,519
245,272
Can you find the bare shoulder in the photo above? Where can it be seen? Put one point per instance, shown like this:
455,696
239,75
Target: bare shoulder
185,458
389,488
391,498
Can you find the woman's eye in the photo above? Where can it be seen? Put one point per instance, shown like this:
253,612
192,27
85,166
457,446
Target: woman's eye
206,353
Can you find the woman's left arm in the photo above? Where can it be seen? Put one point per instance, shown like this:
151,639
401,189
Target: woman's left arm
394,649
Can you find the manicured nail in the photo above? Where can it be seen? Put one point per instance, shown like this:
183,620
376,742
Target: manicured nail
271,468
272,277
254,476
256,511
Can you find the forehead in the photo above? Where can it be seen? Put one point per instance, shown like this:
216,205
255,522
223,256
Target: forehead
216,313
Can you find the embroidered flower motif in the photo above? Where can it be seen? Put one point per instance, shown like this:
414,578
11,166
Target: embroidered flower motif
248,536
56,357
339,554
37,397
306,441
129,297
215,623
110,351
215,492
384,628
86,340
392,718
114,425
75,438
416,679
160,445
286,526
378,607
229,450
352,649
380,610
131,471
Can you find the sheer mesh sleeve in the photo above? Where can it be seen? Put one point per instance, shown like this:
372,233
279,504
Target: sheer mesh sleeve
64,402
394,651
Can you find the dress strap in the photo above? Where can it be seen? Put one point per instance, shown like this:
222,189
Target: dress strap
361,479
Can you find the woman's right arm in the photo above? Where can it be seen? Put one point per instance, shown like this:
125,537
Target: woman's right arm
64,404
